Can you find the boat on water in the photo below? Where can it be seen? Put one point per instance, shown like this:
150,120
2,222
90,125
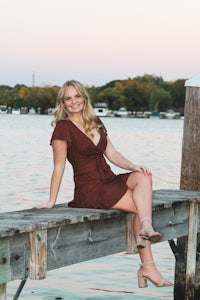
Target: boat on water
16,111
3,109
101,109
169,114
32,111
139,114
50,111
121,112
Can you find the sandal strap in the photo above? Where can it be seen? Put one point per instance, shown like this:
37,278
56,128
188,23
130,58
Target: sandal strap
146,219
147,263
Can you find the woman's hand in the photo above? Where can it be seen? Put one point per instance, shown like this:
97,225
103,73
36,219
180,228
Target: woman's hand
142,169
47,205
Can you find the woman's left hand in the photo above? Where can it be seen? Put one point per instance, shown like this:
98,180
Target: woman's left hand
47,205
142,169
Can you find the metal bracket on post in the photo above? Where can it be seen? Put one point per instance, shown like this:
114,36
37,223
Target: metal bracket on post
26,272
3,289
179,258
192,244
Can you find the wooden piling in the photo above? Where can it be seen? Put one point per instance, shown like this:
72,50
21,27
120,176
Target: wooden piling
190,180
191,257
130,238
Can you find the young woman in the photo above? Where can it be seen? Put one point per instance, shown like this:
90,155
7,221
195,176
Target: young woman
81,137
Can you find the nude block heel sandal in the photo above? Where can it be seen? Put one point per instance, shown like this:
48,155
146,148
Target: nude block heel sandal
142,280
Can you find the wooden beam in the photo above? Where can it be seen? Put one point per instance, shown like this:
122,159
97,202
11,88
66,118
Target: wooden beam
130,237
38,254
191,253
5,265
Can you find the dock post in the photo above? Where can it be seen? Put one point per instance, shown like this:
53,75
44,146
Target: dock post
38,254
190,176
130,238
192,244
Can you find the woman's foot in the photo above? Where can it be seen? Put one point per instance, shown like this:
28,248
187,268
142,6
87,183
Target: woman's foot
146,232
148,271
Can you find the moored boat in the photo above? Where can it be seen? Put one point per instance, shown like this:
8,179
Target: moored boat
101,109
16,111
3,109
170,114
122,112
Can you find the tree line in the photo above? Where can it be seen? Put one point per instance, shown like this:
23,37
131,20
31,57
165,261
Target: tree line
142,93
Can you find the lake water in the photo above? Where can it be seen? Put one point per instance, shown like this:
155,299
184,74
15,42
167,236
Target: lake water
25,171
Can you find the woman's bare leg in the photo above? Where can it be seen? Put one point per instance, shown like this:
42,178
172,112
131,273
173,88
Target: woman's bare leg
140,187
138,200
126,203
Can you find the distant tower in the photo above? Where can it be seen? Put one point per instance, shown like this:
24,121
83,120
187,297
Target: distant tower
33,83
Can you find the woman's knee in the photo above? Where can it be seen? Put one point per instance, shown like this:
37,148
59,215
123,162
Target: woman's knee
136,178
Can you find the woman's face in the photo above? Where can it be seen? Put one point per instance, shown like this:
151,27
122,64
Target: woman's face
73,100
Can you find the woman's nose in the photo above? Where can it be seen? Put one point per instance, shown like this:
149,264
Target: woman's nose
73,100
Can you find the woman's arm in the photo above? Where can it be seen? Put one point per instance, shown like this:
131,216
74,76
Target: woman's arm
119,160
59,158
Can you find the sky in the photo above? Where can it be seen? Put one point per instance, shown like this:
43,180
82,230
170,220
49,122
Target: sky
46,42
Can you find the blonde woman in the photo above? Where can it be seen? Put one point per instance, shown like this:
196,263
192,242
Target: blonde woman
81,137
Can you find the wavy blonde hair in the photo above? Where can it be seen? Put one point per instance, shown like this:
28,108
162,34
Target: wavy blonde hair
88,114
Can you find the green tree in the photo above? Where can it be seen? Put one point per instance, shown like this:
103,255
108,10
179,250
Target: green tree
160,100
137,94
5,92
177,90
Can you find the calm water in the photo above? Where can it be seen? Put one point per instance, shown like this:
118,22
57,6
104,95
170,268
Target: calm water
25,171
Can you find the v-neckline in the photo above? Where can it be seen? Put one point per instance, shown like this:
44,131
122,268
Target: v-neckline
96,145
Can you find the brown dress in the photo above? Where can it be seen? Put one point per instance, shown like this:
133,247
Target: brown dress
96,186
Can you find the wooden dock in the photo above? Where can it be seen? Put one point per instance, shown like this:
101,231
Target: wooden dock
33,242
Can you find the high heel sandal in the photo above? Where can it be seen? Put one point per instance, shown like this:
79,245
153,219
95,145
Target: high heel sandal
145,234
142,280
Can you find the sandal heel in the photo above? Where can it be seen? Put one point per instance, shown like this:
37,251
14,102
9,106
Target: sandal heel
140,242
147,232
142,281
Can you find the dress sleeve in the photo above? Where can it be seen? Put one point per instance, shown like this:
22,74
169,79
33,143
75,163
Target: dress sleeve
61,132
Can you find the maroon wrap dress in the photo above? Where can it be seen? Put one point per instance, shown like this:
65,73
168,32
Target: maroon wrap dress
96,186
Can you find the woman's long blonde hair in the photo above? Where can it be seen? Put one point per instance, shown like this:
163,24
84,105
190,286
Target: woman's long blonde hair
61,113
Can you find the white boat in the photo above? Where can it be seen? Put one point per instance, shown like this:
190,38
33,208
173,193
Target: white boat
16,111
122,112
32,111
3,109
140,114
50,111
101,109
170,114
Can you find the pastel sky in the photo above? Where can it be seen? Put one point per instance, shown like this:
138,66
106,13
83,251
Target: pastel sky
96,41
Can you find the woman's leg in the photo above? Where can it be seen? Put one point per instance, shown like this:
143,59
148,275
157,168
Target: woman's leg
138,200
140,186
